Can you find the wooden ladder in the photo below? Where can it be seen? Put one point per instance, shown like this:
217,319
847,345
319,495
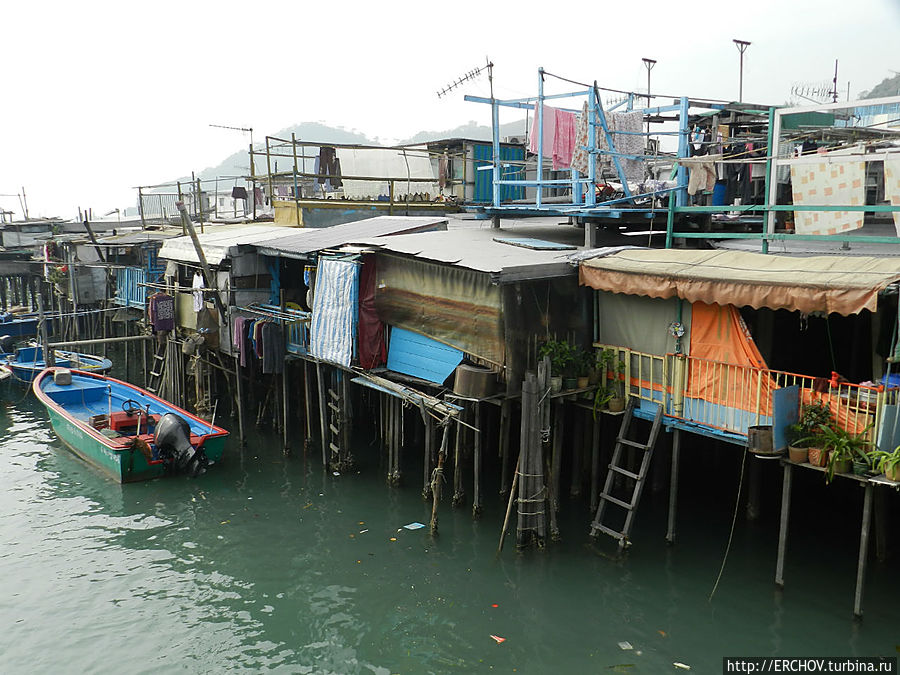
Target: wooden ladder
634,480
157,368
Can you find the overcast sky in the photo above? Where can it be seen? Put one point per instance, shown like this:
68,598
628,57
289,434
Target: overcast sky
100,97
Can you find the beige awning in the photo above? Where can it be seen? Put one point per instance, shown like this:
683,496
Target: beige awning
841,284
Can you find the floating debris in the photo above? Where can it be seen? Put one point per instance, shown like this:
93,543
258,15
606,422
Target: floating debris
414,526
682,666
625,645
498,639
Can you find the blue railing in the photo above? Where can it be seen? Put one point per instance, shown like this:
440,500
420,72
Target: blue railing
130,287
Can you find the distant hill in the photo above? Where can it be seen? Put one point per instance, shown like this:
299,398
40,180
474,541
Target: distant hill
889,86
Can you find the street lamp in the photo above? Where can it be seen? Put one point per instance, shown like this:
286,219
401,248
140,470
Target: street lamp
648,64
742,47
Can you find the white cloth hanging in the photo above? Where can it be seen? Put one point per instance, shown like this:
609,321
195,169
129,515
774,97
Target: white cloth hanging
198,294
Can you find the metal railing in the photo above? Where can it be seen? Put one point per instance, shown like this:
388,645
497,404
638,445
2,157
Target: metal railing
731,398
131,289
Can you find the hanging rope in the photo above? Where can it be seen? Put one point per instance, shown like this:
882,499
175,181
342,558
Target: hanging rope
737,503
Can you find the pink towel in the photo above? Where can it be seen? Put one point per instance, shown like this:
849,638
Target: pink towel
564,140
559,136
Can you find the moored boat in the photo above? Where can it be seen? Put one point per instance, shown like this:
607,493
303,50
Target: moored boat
124,431
26,362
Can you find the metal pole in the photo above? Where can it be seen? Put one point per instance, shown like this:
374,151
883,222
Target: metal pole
742,47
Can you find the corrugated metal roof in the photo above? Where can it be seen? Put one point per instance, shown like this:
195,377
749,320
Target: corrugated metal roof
221,242
478,249
308,240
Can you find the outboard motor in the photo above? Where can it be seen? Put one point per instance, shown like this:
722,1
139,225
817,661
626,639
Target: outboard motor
7,344
173,442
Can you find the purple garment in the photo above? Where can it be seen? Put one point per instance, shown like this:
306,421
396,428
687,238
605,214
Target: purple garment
162,312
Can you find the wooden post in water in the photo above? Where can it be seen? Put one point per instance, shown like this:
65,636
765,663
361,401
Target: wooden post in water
240,397
286,444
307,402
504,446
323,422
595,462
427,461
785,517
673,485
476,461
559,412
459,492
437,478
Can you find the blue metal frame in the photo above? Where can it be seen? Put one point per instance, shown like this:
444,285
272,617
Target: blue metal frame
584,201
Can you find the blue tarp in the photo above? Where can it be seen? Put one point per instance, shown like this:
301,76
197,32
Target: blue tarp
413,354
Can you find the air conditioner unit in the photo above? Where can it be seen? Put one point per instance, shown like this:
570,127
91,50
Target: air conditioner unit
515,140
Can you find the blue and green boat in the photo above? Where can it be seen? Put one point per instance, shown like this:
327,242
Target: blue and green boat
26,362
123,430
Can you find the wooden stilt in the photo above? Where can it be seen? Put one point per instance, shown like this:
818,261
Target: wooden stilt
559,412
323,412
476,461
752,508
239,387
428,460
437,478
286,444
504,446
595,463
783,528
673,485
459,492
509,505
307,403
863,551
882,526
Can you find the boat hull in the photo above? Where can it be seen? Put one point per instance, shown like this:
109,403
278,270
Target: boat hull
119,458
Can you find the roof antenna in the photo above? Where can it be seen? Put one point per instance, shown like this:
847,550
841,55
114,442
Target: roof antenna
471,75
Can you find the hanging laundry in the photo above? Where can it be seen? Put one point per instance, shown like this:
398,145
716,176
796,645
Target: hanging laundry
162,312
259,197
272,340
828,181
631,143
197,285
702,172
558,136
238,338
238,192
329,168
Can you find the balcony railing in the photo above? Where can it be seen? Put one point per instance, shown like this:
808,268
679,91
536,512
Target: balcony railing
731,398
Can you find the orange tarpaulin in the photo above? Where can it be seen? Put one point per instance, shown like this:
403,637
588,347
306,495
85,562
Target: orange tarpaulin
724,361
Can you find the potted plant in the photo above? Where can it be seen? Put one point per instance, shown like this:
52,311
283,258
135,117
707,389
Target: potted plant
842,448
887,463
585,360
806,434
617,402
560,354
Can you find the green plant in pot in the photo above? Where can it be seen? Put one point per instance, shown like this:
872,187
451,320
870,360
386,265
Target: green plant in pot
617,402
887,463
585,360
842,447
806,434
560,354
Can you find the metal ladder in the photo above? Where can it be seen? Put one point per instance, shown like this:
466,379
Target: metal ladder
636,480
157,368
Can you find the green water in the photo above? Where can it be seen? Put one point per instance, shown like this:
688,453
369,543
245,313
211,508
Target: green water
262,565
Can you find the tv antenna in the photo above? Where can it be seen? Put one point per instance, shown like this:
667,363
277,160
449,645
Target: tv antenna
471,75
223,126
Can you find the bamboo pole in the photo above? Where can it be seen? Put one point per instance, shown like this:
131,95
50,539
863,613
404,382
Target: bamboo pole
509,505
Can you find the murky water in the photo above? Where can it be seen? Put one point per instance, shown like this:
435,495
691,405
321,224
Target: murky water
266,564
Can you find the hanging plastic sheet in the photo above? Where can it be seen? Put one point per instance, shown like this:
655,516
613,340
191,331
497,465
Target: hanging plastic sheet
372,349
457,306
334,312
